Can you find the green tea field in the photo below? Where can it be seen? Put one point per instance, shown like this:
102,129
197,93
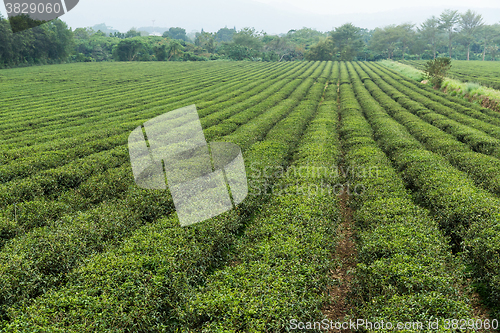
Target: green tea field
371,197
486,73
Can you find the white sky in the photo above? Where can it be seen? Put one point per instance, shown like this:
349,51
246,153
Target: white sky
373,6
272,16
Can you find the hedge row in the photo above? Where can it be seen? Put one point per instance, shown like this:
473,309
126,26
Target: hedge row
41,210
484,169
117,114
51,182
469,215
43,160
468,117
85,98
485,73
469,109
29,119
146,283
286,248
131,105
476,139
405,271
41,83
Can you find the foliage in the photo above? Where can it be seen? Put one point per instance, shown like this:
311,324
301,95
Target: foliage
248,38
436,70
485,73
322,51
225,34
82,249
176,33
465,33
48,43
429,31
470,25
347,42
174,49
128,50
399,243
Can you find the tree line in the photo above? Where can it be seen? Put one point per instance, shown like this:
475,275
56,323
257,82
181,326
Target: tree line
462,36
456,35
48,43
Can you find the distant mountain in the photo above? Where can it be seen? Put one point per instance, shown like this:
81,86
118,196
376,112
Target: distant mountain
211,15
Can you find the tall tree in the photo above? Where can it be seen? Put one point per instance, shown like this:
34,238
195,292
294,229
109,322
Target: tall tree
322,51
429,31
488,34
406,35
205,40
6,42
176,33
279,45
225,35
448,23
249,38
174,49
161,52
132,33
127,49
471,24
83,33
347,41
385,40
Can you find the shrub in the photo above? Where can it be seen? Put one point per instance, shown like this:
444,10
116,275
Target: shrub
436,70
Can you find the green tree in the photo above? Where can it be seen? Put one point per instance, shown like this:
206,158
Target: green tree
471,24
279,46
494,50
249,38
176,33
224,35
305,37
406,35
205,40
322,51
384,40
429,30
436,70
174,49
83,33
128,49
100,33
347,41
236,51
161,52
419,45
448,23
132,33
64,41
488,34
6,43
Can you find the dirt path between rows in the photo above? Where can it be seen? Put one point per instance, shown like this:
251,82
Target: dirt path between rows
345,251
